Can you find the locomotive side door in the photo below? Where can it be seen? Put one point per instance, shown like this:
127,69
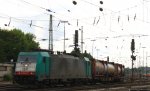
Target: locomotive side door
46,67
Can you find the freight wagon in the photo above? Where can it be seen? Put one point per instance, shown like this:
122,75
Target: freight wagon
103,71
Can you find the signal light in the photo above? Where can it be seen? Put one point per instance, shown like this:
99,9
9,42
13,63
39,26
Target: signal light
76,36
132,45
133,57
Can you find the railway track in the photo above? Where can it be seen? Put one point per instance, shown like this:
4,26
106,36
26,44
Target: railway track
12,87
96,87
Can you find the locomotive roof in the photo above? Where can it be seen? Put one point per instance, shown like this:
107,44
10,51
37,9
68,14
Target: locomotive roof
34,53
63,55
47,54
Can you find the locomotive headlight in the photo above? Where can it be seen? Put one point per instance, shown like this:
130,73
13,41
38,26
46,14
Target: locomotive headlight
26,65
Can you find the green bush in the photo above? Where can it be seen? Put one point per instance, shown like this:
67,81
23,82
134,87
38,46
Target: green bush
7,77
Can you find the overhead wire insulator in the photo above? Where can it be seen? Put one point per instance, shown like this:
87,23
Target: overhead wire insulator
118,19
134,17
101,2
48,10
74,2
101,9
68,10
31,23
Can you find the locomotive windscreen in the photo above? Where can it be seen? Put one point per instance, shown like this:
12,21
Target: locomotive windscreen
26,65
27,58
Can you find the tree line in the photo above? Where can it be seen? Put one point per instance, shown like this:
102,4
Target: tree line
139,70
13,41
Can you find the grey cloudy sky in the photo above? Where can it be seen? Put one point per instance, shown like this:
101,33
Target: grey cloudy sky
113,29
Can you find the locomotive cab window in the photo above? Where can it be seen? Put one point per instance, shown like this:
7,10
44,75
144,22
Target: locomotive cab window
44,59
27,58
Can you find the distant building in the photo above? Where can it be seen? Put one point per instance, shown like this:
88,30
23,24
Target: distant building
5,69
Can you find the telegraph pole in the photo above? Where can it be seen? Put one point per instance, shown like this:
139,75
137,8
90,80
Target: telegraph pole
143,55
146,64
93,45
50,34
64,32
82,39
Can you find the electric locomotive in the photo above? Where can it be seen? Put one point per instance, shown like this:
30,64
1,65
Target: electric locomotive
48,68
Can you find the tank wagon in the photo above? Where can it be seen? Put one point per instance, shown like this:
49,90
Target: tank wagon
103,71
48,68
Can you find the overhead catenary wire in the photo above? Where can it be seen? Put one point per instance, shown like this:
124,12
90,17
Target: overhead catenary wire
85,2
120,11
98,16
81,0
25,21
20,20
28,23
49,10
80,20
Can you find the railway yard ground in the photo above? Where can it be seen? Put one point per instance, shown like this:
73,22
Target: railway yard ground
135,86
